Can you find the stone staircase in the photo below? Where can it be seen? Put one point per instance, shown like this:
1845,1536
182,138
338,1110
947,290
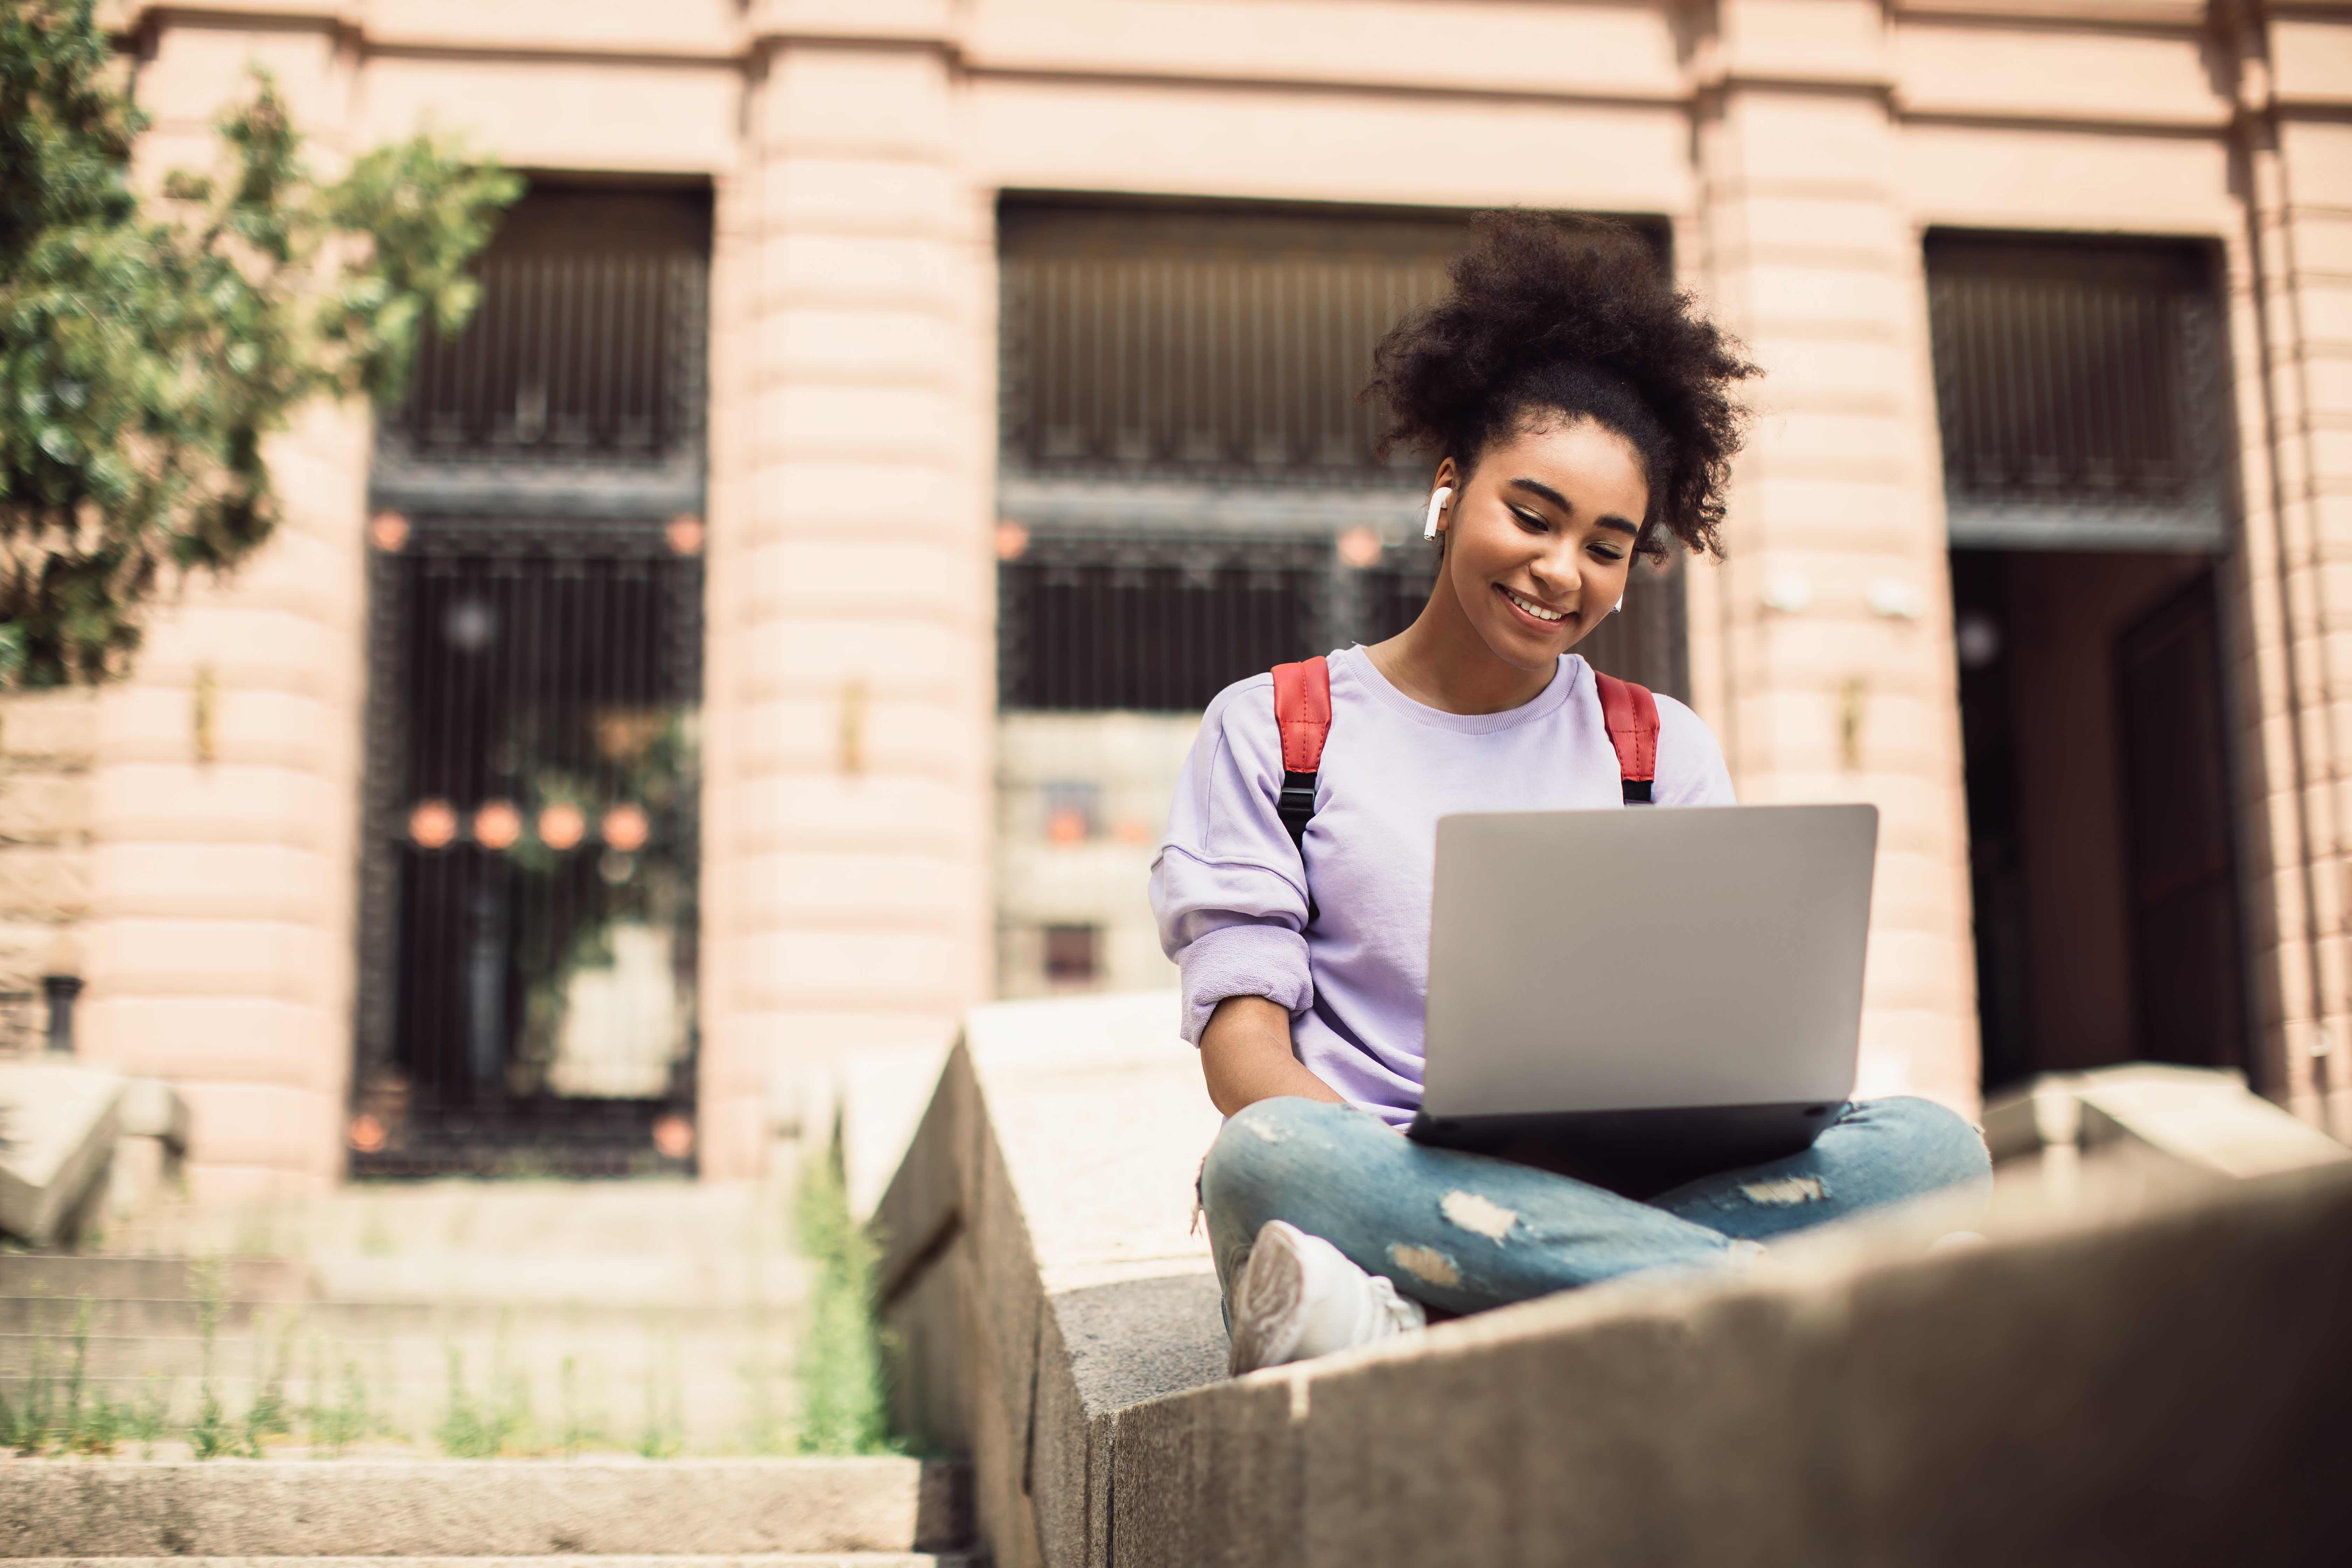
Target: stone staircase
465,1319
633,1341
688,1513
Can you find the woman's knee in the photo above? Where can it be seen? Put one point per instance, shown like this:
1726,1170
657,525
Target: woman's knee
1936,1142
1265,1148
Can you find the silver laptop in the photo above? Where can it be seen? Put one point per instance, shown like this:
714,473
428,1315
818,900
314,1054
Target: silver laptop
1641,996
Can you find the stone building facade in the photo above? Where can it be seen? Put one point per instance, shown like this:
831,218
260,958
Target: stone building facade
194,842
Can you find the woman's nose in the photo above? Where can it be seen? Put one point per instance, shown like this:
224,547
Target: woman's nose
1556,576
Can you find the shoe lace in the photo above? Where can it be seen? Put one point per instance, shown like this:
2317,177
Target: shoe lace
1397,1314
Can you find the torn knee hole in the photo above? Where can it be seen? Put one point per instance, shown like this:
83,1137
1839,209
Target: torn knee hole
1786,1190
1481,1215
1426,1263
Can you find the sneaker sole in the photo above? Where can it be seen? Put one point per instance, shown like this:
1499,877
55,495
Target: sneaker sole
1269,1307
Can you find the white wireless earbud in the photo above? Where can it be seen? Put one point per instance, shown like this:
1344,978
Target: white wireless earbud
1437,500
1620,601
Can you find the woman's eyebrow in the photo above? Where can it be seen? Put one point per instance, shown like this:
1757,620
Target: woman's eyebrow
1546,492
1613,522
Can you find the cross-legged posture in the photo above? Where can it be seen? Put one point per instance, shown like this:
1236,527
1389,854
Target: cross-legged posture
1580,414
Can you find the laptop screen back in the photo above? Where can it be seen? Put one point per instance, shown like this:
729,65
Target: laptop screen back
1645,958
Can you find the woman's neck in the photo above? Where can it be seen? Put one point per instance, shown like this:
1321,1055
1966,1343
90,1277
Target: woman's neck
1441,662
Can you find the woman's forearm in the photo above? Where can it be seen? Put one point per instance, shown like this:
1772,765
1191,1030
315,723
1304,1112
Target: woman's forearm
1246,1055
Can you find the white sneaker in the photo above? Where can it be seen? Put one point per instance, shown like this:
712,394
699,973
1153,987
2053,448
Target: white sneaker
1298,1296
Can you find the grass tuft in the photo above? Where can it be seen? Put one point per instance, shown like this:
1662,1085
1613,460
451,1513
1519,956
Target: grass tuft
212,1433
483,1428
844,1406
148,1418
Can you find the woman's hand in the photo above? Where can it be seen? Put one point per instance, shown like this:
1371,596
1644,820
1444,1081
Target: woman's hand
1246,1055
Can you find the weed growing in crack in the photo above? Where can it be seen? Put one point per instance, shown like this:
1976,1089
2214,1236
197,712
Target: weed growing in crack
663,1434
482,1428
212,1433
267,1414
149,1415
28,1425
768,1427
844,1406
78,1369
333,1425
583,1426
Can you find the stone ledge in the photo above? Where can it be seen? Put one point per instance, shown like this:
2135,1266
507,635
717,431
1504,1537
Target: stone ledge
2199,1118
355,1508
2041,1398
1040,1266
726,1560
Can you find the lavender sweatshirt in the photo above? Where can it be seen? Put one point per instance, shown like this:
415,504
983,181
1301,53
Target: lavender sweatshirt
1231,895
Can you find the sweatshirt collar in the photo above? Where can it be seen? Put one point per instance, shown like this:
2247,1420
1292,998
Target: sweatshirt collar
1358,667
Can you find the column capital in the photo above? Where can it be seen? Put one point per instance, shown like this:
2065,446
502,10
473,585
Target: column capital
1835,46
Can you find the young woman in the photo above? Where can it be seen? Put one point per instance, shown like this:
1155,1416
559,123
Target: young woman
1579,411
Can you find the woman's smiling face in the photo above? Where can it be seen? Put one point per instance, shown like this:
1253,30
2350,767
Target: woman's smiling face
1540,537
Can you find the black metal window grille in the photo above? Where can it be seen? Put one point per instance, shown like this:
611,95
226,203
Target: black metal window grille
528,897
1203,344
1150,625
1184,449
2079,390
532,847
583,367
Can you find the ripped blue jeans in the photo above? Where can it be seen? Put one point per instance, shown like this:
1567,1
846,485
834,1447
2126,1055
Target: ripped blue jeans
1464,1232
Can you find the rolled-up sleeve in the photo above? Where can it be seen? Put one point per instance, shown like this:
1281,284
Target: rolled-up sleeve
1227,887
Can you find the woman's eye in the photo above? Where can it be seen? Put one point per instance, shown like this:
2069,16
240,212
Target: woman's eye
1529,521
1603,552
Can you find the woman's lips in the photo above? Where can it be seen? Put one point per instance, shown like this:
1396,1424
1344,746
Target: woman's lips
1528,617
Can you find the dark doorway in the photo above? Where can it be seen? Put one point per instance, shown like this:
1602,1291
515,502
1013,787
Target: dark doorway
2100,823
2186,933
2081,402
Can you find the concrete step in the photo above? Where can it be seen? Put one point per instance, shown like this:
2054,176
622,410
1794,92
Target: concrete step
714,1277
65,1276
737,1560
47,1315
550,1388
638,1316
702,1376
578,1512
504,1220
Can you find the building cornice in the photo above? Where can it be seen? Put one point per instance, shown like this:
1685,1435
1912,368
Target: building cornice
124,16
2172,14
1715,68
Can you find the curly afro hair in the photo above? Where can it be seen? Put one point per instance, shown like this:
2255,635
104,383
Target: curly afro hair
1572,318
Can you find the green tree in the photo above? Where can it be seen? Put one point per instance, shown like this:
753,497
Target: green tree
150,343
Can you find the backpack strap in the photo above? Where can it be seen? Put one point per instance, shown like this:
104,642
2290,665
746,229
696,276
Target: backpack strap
1302,715
1632,715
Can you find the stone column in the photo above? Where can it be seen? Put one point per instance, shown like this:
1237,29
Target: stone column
2295,317
851,601
219,949
1835,667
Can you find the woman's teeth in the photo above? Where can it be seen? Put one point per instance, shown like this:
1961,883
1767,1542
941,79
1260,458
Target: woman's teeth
1538,611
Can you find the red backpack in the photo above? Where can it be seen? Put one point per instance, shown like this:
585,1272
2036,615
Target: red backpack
1302,712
